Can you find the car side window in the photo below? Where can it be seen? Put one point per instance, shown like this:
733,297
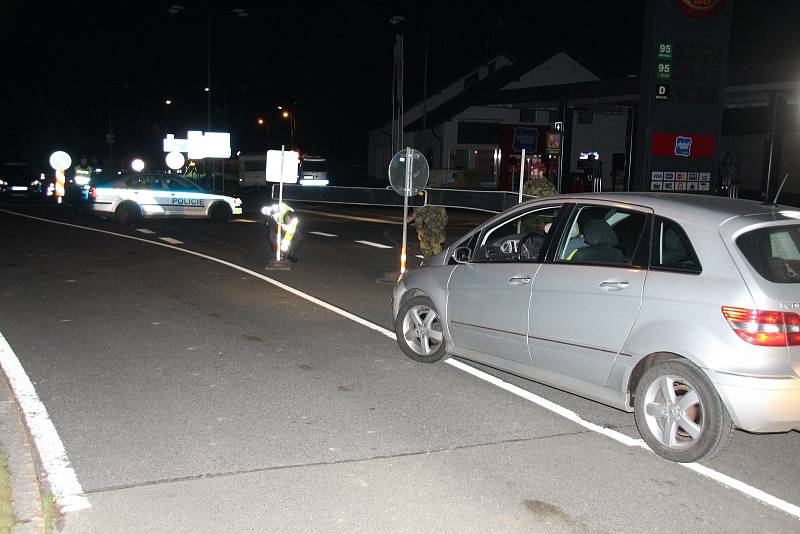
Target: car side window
523,238
602,235
671,249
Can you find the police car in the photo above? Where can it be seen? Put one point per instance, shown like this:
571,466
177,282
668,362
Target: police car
127,198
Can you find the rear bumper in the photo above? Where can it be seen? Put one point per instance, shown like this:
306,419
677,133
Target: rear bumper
760,404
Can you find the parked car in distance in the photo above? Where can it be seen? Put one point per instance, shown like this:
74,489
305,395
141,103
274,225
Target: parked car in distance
19,179
683,309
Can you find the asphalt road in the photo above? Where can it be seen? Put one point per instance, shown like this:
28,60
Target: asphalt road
194,397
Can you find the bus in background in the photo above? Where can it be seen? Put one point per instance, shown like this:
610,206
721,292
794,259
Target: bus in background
252,170
313,171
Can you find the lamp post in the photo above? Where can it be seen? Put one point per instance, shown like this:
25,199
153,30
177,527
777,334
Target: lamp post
265,123
110,137
400,24
208,16
286,114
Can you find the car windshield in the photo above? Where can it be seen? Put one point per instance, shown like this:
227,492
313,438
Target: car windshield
314,166
774,252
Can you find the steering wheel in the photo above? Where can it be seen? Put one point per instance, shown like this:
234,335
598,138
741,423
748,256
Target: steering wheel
530,245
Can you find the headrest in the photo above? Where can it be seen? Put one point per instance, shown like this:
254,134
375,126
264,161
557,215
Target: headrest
574,231
598,233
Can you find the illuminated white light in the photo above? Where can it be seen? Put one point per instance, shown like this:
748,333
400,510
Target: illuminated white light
313,181
137,165
175,160
206,89
265,210
98,170
60,160
792,214
82,180
199,145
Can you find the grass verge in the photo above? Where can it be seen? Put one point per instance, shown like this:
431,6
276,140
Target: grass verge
49,512
7,519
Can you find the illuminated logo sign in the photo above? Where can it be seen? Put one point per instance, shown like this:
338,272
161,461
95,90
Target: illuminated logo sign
200,145
700,8
526,138
683,146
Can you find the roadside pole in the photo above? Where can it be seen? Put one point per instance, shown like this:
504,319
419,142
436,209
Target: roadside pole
521,180
280,207
409,173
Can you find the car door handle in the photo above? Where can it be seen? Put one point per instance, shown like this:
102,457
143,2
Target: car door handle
519,280
614,285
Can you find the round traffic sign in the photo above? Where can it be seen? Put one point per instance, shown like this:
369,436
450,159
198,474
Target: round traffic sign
137,165
420,172
175,160
60,160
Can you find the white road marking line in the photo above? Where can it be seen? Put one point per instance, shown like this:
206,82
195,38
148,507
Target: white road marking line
145,231
62,478
244,220
171,241
420,256
721,478
619,437
351,217
323,234
371,244
297,292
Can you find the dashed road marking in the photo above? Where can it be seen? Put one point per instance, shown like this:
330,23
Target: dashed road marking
351,217
557,409
371,244
53,455
145,231
323,234
243,221
171,241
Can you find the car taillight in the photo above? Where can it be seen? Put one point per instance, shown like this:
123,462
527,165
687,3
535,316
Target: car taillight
92,192
764,328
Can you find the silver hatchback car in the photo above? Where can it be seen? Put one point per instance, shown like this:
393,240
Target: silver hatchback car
682,309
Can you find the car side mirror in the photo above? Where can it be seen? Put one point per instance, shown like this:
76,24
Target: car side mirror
462,254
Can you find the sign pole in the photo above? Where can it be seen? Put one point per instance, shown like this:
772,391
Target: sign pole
280,208
409,164
521,175
521,181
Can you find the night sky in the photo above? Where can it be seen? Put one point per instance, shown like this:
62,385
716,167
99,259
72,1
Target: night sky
332,66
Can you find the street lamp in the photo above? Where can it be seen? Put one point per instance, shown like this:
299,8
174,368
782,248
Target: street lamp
262,122
289,115
401,23
168,102
208,15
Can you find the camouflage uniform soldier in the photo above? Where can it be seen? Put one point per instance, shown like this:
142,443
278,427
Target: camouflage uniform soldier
539,185
430,222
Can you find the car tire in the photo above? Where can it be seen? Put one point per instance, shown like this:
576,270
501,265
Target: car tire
127,213
679,413
419,330
220,212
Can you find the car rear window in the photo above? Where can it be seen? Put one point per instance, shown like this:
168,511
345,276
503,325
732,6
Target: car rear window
774,252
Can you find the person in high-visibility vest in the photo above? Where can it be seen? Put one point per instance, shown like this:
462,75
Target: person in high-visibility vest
283,216
83,173
81,177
